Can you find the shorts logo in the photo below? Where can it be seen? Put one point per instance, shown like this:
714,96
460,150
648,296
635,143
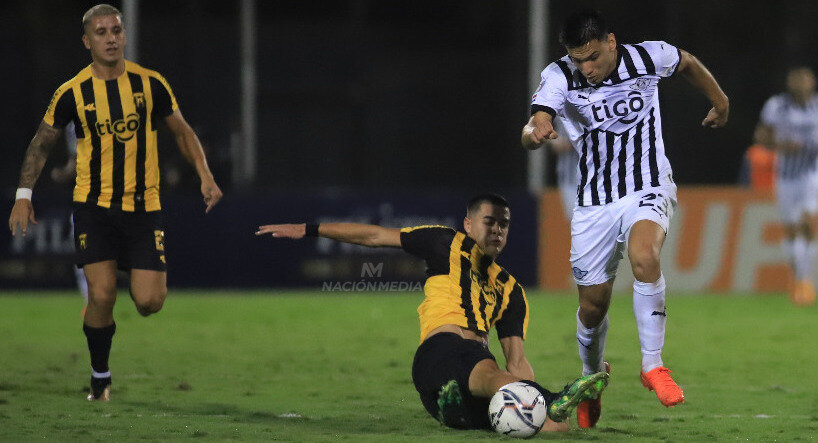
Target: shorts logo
83,241
579,274
159,236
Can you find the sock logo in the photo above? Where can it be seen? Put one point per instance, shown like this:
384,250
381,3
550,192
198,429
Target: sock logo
663,313
588,346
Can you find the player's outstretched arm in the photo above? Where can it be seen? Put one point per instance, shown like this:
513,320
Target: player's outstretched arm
699,76
44,140
358,234
191,148
539,129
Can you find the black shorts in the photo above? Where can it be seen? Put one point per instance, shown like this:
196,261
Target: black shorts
136,240
444,357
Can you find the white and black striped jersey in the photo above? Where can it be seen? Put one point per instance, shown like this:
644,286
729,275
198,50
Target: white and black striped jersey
795,123
615,126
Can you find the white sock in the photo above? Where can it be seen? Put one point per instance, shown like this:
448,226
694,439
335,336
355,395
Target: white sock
804,252
591,344
649,310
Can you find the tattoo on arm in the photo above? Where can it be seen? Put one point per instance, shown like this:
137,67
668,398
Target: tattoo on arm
37,153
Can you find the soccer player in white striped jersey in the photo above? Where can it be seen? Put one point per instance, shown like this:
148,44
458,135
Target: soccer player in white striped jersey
606,96
789,124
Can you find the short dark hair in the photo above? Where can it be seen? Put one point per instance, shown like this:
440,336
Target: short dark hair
96,11
488,197
583,26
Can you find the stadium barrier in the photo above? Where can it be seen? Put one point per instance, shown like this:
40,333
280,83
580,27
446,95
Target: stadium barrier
221,250
721,239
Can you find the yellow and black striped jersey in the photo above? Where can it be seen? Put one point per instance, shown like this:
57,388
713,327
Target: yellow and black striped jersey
115,123
463,286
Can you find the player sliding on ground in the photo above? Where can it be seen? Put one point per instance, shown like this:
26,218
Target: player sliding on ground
606,97
466,294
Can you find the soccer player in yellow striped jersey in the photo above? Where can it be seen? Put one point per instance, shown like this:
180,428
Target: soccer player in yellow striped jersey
466,294
116,106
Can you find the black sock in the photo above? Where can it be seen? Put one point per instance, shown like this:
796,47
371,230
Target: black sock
548,395
99,344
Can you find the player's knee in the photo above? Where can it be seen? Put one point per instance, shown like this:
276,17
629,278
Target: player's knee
102,295
151,304
645,264
591,312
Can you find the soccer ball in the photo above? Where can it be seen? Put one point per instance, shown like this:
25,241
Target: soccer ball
517,410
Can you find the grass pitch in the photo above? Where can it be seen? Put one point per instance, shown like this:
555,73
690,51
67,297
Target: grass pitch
307,366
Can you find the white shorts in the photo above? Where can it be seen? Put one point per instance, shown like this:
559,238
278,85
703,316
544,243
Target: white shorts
797,197
599,233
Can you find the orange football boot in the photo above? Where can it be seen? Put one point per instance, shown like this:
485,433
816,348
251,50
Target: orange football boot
659,381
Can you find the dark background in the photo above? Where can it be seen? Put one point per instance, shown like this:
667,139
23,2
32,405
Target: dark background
398,95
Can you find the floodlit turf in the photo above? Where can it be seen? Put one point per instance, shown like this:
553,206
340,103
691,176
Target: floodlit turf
311,366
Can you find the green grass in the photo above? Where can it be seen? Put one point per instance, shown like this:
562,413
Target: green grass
311,366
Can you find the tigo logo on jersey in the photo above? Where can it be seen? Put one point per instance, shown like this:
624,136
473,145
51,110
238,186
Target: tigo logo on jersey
124,129
620,108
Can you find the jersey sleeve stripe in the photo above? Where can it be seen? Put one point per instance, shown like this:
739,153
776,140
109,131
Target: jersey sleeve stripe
678,61
412,228
540,108
626,57
643,53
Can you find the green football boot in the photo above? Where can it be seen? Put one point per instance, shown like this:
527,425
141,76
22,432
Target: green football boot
450,406
584,388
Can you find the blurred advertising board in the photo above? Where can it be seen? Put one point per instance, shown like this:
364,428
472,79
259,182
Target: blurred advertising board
220,249
721,239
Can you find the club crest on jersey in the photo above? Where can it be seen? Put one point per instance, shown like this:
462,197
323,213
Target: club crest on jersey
139,99
641,84
488,291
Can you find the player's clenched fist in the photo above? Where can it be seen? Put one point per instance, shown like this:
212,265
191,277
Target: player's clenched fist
538,130
284,231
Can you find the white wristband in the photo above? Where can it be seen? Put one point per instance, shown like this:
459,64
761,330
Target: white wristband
23,193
